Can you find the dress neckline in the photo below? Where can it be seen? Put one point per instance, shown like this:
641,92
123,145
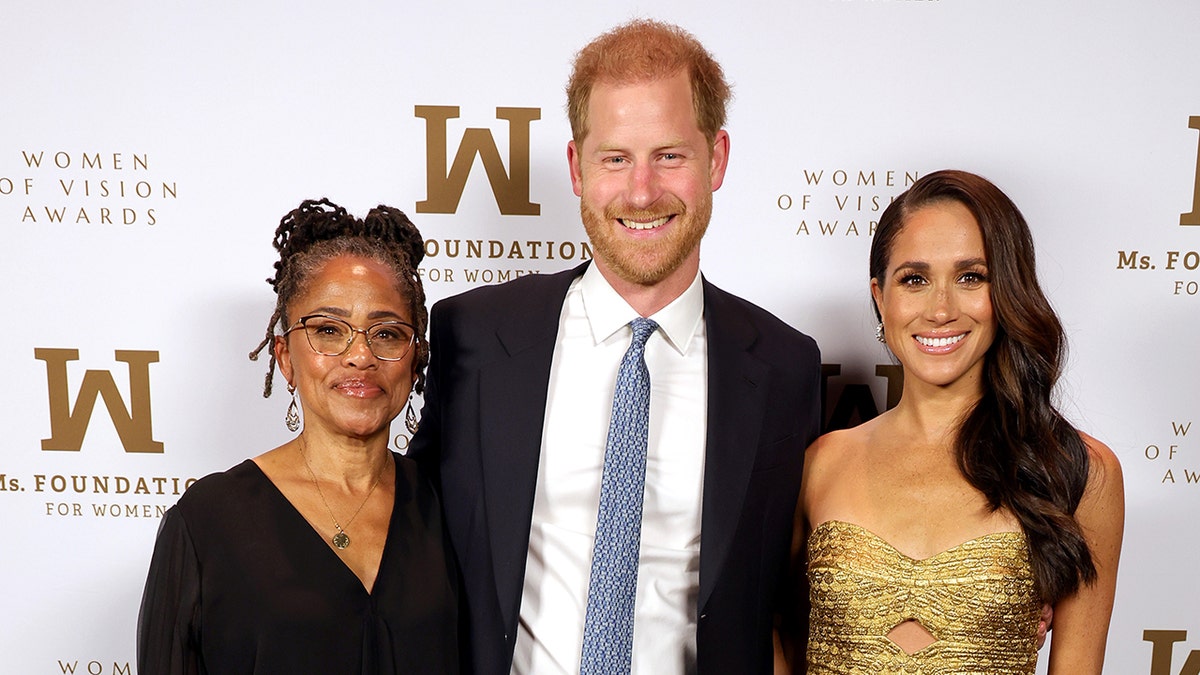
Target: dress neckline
295,514
833,524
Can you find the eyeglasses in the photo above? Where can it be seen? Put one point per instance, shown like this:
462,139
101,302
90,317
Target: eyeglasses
330,336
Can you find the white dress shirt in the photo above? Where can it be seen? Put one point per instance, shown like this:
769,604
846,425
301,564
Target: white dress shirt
593,336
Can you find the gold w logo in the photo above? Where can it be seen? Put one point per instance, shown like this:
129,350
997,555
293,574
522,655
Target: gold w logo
1193,218
68,426
444,183
1164,641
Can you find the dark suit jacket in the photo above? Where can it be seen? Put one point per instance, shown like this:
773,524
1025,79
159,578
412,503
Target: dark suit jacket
481,433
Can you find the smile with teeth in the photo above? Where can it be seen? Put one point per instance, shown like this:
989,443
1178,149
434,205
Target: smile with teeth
939,341
644,225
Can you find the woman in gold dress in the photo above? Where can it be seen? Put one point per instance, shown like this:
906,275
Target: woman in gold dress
935,532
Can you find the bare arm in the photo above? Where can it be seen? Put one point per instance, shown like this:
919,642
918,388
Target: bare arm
1081,620
791,638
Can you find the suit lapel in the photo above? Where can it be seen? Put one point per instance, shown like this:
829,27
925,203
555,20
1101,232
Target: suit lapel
736,398
512,404
513,391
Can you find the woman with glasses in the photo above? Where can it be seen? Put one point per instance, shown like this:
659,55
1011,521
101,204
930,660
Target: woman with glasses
326,554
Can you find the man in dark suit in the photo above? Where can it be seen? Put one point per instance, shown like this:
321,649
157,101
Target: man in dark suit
523,377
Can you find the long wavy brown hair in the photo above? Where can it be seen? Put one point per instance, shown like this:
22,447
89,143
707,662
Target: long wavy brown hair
1013,446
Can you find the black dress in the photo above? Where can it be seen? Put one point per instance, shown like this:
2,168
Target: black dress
241,583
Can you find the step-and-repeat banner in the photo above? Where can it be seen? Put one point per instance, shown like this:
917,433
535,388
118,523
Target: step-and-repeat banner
148,149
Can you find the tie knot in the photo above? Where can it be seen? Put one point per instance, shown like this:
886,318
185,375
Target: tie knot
642,329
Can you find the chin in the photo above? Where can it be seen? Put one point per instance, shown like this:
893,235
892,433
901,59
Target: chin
947,379
365,428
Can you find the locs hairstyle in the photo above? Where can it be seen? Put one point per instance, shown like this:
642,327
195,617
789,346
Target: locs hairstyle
319,230
1013,446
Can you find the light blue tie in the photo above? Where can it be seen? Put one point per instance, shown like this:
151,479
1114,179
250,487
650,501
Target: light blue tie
608,626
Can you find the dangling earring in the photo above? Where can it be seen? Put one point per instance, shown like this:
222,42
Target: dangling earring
293,414
879,333
410,418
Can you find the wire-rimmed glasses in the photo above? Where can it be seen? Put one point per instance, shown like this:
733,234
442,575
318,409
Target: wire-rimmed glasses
331,336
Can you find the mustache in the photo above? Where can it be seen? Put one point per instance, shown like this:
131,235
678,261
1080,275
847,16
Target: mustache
671,206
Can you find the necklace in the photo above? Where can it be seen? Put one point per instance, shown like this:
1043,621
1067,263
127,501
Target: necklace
340,540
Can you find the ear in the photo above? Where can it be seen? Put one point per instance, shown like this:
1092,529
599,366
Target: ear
283,357
877,296
576,171
720,159
412,382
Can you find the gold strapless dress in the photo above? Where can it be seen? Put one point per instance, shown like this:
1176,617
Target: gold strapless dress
976,599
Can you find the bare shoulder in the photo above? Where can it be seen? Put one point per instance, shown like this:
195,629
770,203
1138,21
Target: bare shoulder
832,448
1104,469
829,459
1101,511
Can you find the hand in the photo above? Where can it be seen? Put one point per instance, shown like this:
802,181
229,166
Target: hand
1044,624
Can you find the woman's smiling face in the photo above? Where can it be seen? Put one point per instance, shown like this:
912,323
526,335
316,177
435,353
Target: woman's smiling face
354,394
935,297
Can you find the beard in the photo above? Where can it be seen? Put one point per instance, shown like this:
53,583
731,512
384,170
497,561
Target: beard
646,262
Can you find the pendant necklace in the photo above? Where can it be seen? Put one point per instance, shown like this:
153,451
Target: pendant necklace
341,540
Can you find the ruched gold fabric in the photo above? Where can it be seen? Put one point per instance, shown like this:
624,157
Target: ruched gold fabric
976,599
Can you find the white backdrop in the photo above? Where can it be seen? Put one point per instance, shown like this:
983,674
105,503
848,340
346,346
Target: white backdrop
147,151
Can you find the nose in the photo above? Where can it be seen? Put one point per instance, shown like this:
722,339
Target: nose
644,187
943,305
358,350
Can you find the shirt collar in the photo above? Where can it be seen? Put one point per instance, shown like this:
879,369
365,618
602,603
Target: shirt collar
607,312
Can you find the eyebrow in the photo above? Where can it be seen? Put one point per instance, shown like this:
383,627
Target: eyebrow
342,313
674,143
336,311
921,266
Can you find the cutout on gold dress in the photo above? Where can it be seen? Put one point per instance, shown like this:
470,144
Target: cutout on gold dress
976,604
911,636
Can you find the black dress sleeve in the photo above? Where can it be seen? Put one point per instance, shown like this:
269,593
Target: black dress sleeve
168,633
